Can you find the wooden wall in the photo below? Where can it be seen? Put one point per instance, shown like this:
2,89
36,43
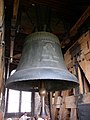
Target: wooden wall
67,104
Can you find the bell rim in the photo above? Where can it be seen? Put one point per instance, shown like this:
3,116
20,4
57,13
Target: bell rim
71,79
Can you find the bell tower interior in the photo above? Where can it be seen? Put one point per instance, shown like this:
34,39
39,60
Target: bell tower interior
44,59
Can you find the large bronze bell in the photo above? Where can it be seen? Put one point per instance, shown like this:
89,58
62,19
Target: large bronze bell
42,60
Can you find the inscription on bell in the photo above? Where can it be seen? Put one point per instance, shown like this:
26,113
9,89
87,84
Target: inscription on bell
49,53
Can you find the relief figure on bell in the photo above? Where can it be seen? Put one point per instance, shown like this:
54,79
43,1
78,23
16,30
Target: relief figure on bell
49,53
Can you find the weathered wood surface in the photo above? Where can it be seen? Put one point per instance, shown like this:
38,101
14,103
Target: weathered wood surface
78,55
1,45
81,50
80,81
86,98
70,102
1,62
15,9
13,29
1,57
1,12
1,69
54,108
73,114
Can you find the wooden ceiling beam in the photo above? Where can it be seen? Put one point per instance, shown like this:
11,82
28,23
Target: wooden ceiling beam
75,28
53,4
80,21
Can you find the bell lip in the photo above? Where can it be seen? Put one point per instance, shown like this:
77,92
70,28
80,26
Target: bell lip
55,77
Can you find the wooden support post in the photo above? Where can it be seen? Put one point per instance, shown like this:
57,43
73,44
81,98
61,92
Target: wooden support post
12,46
54,108
1,115
13,29
63,111
33,103
15,13
1,58
80,81
73,114
87,87
15,9
50,105
85,77
1,12
1,61
85,66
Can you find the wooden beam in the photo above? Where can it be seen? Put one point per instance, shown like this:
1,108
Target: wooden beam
77,25
63,111
13,29
51,105
1,45
54,109
1,12
1,59
80,21
80,81
71,101
15,12
73,114
15,9
1,69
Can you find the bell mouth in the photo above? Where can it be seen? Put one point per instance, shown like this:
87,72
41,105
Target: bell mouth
56,85
29,80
